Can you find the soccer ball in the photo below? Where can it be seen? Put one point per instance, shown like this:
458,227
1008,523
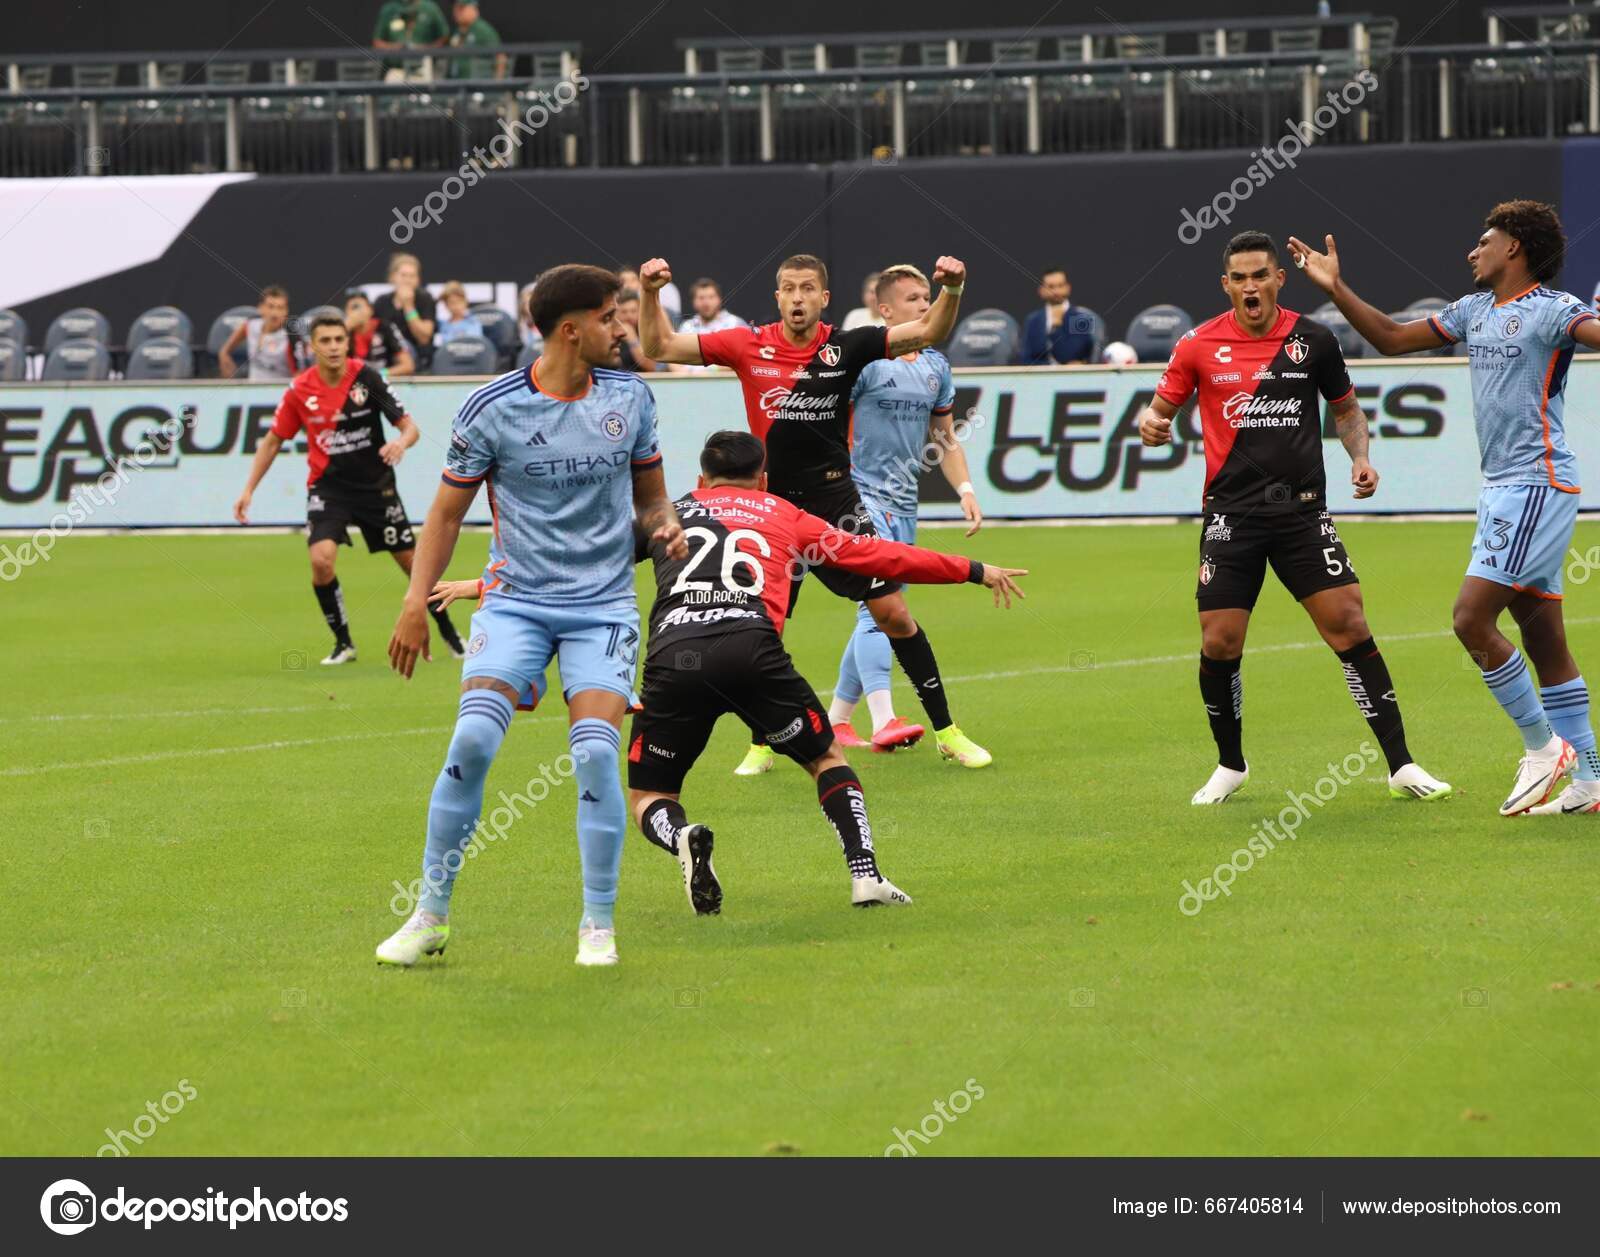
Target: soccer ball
1118,354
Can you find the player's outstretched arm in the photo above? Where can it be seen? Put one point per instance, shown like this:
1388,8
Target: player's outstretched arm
271,443
822,544
654,513
936,324
656,336
439,535
1351,423
1374,326
1155,422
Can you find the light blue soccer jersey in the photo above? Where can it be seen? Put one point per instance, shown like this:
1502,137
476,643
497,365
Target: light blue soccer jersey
893,401
1519,350
559,474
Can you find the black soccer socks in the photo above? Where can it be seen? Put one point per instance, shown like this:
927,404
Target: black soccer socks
916,657
1367,675
1222,691
332,603
662,822
845,806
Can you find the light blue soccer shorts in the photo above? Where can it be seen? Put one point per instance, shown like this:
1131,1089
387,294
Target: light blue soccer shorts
514,641
890,522
1523,534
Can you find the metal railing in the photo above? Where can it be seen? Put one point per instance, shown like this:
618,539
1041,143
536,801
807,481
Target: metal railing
888,114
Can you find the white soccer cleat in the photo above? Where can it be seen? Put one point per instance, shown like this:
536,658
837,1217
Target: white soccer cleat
341,654
1411,782
422,935
1537,775
1221,785
1579,797
869,892
596,946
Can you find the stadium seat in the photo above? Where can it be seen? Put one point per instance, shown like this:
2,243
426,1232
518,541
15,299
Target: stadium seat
465,355
161,358
13,327
1154,332
499,329
160,321
81,359
222,328
1349,339
13,362
81,323
985,338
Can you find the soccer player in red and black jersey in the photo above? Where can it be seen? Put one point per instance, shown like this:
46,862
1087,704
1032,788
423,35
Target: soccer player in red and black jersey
341,403
1260,371
798,375
716,647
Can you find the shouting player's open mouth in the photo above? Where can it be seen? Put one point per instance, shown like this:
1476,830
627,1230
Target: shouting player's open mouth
1252,305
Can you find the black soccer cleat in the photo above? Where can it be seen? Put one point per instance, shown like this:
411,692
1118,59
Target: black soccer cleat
699,878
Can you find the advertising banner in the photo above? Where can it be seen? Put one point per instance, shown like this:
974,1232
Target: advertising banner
1040,444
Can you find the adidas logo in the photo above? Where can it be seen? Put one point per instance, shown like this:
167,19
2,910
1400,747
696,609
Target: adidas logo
453,771
537,439
588,798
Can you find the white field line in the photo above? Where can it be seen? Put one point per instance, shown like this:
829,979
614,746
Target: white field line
151,757
166,715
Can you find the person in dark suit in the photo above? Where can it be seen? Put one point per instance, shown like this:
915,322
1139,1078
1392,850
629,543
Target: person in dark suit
1050,336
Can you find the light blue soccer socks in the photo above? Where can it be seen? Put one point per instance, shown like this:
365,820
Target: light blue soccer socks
457,800
602,815
867,662
1512,686
1567,706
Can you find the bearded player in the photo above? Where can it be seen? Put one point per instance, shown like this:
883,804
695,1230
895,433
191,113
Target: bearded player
798,375
1260,370
1520,339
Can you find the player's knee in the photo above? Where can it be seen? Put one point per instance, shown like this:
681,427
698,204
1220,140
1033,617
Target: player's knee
1222,642
1347,629
322,569
1471,628
833,757
894,619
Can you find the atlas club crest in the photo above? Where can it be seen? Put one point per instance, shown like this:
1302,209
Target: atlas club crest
830,355
1297,350
358,393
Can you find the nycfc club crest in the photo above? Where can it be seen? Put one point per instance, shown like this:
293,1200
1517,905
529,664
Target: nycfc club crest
1513,326
614,426
933,384
1296,349
478,643
358,393
1207,571
830,355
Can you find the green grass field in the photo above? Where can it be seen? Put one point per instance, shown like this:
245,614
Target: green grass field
201,841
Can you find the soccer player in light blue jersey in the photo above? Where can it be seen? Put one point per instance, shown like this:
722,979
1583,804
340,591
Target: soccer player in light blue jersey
902,421
1520,337
566,450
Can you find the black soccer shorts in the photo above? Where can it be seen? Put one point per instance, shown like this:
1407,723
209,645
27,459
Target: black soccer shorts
839,502
1302,546
689,686
379,513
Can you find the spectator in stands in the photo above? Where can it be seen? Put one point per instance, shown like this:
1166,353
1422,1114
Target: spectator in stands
1046,337
373,341
273,347
633,355
410,24
709,316
409,307
671,298
458,319
866,314
473,31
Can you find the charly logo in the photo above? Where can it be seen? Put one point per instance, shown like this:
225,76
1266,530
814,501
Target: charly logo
614,426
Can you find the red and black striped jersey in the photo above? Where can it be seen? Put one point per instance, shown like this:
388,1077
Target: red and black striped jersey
797,397
343,424
1259,412
746,546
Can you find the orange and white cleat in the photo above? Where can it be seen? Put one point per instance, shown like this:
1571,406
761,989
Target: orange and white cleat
897,735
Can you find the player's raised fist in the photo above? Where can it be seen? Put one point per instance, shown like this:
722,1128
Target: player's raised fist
1322,269
655,274
951,271
1154,430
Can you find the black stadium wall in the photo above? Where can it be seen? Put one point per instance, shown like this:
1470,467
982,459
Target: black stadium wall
1404,217
628,38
